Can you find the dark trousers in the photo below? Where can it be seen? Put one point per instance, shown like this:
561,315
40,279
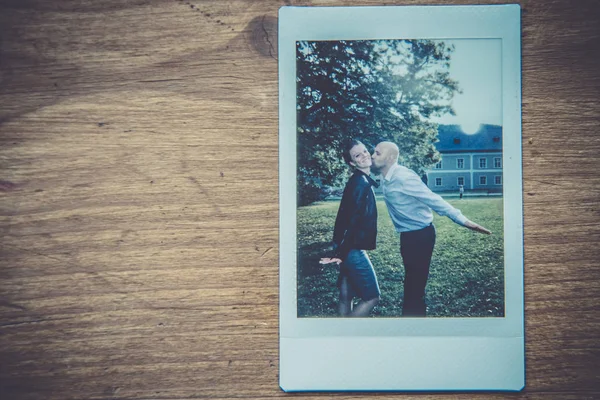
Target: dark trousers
416,248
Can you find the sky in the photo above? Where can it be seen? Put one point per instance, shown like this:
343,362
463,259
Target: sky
477,66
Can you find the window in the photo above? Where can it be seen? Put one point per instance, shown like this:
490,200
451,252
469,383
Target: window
460,180
498,179
482,163
438,181
438,165
497,162
483,180
460,163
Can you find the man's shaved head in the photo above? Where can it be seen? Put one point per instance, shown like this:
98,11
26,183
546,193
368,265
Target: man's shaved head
384,157
390,151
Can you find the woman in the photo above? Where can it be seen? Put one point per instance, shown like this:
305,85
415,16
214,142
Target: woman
356,231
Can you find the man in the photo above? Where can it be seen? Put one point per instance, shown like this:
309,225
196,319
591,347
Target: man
410,202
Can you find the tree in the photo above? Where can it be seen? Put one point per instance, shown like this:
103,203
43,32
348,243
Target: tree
371,90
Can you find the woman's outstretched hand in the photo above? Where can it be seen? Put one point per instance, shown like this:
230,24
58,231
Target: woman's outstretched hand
330,260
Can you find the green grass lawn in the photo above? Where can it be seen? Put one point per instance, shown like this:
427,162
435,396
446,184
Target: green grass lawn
466,278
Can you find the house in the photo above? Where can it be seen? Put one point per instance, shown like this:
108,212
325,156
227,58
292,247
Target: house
474,161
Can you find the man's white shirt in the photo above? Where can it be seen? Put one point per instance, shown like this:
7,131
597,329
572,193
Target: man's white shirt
409,201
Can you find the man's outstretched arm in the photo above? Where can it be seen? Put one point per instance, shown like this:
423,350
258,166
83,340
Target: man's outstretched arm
415,187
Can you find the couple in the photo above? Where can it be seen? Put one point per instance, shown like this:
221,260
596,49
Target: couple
410,203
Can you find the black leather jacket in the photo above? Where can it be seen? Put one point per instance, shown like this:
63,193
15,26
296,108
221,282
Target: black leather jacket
356,222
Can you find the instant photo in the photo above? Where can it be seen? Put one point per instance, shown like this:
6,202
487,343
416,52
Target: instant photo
401,256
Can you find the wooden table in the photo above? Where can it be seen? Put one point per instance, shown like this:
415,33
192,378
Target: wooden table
139,199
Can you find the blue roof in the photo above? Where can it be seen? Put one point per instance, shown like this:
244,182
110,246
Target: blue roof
453,139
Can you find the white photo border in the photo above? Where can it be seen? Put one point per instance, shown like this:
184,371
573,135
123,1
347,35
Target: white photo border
474,353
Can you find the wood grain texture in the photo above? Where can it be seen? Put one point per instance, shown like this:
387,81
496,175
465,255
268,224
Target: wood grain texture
139,199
